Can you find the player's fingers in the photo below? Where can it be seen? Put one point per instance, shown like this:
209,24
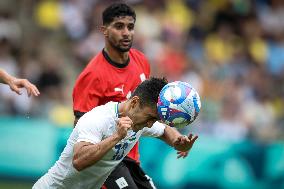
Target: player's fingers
177,141
15,89
29,91
185,138
34,90
127,122
194,138
22,83
183,154
179,153
190,136
29,87
126,119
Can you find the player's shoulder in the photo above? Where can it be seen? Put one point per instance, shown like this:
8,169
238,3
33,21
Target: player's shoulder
138,57
94,64
101,116
108,110
96,60
136,53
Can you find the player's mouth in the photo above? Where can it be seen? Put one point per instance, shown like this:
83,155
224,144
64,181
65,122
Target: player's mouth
126,42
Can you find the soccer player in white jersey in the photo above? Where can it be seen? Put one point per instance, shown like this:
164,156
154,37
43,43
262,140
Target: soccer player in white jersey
104,136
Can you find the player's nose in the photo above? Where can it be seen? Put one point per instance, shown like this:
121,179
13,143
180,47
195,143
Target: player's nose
125,31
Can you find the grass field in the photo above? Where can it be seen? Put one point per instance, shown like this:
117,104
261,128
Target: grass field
15,185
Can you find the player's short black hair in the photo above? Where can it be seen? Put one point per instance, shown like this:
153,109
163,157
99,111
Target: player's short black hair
117,10
148,91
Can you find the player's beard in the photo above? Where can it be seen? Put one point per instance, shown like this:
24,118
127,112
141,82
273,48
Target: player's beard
119,48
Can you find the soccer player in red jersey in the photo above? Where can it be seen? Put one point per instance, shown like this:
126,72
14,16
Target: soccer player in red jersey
112,75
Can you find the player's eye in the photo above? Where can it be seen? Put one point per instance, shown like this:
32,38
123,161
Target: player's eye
119,26
130,27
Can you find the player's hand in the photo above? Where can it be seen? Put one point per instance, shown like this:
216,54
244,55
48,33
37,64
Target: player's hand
15,85
123,125
182,154
184,143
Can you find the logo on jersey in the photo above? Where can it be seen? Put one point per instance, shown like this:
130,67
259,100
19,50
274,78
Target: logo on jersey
121,182
120,148
117,89
132,137
119,151
142,77
120,89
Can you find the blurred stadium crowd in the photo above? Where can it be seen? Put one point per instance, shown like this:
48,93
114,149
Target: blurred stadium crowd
231,51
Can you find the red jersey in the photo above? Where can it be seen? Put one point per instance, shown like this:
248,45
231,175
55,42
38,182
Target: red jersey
104,80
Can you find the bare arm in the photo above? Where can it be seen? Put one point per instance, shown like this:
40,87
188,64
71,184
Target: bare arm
170,135
16,83
87,154
180,142
4,77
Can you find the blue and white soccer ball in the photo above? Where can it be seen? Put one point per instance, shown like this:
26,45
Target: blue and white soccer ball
178,104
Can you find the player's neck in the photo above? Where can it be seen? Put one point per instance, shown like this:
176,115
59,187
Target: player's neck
118,57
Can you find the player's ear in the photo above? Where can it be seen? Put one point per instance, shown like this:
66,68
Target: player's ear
134,101
103,29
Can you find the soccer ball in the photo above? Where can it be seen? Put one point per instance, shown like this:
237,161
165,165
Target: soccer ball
178,104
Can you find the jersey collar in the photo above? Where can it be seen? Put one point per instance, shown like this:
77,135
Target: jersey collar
116,109
113,62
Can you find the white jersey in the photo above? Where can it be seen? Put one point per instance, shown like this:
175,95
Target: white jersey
93,127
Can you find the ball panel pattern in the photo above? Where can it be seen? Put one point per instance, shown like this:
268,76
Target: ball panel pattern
178,104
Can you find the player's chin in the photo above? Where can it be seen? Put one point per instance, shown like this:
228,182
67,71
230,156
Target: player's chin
124,49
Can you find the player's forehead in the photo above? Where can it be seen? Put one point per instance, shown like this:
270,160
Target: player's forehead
123,20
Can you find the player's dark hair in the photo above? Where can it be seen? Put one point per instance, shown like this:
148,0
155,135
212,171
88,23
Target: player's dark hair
149,90
117,10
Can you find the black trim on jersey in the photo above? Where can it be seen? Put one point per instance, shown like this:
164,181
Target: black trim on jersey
78,114
118,65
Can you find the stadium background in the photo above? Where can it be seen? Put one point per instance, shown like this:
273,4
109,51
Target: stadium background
231,51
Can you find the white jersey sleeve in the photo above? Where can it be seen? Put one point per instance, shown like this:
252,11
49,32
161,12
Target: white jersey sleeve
91,127
156,130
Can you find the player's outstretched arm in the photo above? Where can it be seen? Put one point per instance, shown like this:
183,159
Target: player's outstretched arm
180,142
17,83
184,143
86,154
